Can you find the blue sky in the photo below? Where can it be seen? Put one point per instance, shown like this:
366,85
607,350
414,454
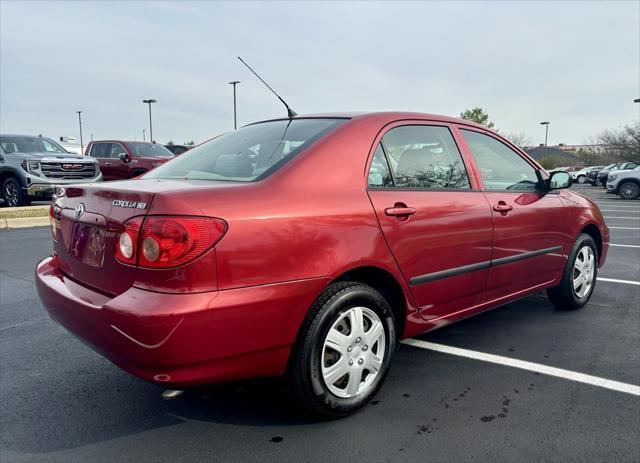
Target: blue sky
576,64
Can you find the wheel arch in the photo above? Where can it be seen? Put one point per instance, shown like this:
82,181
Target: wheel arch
10,173
594,232
384,282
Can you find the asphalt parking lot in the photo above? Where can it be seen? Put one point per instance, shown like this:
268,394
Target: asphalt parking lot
59,401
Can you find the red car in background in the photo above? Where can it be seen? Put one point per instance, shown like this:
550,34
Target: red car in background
309,246
121,160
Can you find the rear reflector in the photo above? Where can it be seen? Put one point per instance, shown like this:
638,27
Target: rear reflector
167,241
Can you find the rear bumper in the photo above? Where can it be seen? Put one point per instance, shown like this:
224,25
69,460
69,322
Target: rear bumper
183,339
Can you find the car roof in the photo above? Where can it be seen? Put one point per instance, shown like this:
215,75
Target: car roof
125,141
23,135
381,116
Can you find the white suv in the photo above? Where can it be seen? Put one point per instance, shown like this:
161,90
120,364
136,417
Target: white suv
625,183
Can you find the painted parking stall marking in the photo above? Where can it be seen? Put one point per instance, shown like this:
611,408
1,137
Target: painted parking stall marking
615,280
530,366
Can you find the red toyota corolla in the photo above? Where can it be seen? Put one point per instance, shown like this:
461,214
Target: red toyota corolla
309,247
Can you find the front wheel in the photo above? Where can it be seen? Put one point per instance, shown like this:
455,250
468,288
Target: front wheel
579,276
581,179
343,350
12,193
629,190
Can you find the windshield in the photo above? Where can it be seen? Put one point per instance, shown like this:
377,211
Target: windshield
248,153
150,150
26,144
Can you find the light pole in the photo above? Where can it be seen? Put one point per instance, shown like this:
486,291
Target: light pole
149,101
80,124
235,120
546,131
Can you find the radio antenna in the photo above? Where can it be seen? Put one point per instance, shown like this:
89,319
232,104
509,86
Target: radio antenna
290,112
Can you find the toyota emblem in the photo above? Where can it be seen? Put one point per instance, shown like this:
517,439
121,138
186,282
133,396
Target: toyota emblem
79,210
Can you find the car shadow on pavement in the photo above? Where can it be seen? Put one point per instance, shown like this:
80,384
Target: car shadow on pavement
103,403
106,404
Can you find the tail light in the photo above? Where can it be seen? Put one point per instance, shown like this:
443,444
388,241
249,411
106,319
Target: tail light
55,223
167,241
127,242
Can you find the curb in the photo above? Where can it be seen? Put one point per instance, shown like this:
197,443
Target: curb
23,222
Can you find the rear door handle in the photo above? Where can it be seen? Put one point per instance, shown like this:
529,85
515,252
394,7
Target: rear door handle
400,211
502,207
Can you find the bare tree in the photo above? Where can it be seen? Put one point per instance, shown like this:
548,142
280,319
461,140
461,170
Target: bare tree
519,139
624,142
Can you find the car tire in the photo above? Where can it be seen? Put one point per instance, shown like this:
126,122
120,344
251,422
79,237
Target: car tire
349,327
580,179
13,195
579,276
629,190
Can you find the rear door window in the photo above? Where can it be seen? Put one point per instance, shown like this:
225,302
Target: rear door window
425,157
379,172
100,150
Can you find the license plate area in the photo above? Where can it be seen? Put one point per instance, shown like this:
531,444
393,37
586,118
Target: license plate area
87,244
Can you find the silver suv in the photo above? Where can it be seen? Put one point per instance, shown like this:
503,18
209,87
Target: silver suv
625,183
32,166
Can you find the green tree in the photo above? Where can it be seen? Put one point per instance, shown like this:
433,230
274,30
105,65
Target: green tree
477,115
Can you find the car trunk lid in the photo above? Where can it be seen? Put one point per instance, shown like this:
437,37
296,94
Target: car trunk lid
89,221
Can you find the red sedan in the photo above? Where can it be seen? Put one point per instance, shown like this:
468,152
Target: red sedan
309,246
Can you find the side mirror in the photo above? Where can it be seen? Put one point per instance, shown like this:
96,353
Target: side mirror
124,157
559,179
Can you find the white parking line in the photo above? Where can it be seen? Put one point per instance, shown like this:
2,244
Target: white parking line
624,228
614,280
626,218
28,322
530,366
624,245
619,210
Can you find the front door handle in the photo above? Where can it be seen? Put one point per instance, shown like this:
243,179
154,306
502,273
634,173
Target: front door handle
502,207
400,210
107,163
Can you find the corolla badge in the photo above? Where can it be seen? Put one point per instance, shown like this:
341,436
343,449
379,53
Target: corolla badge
79,210
129,204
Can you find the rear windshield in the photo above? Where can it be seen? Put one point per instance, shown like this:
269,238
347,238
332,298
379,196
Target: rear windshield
150,150
247,154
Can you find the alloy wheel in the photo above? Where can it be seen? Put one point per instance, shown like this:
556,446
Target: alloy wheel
629,190
584,271
11,194
353,352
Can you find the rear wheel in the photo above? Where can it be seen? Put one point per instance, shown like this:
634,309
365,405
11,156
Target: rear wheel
343,350
579,276
629,190
580,179
12,193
